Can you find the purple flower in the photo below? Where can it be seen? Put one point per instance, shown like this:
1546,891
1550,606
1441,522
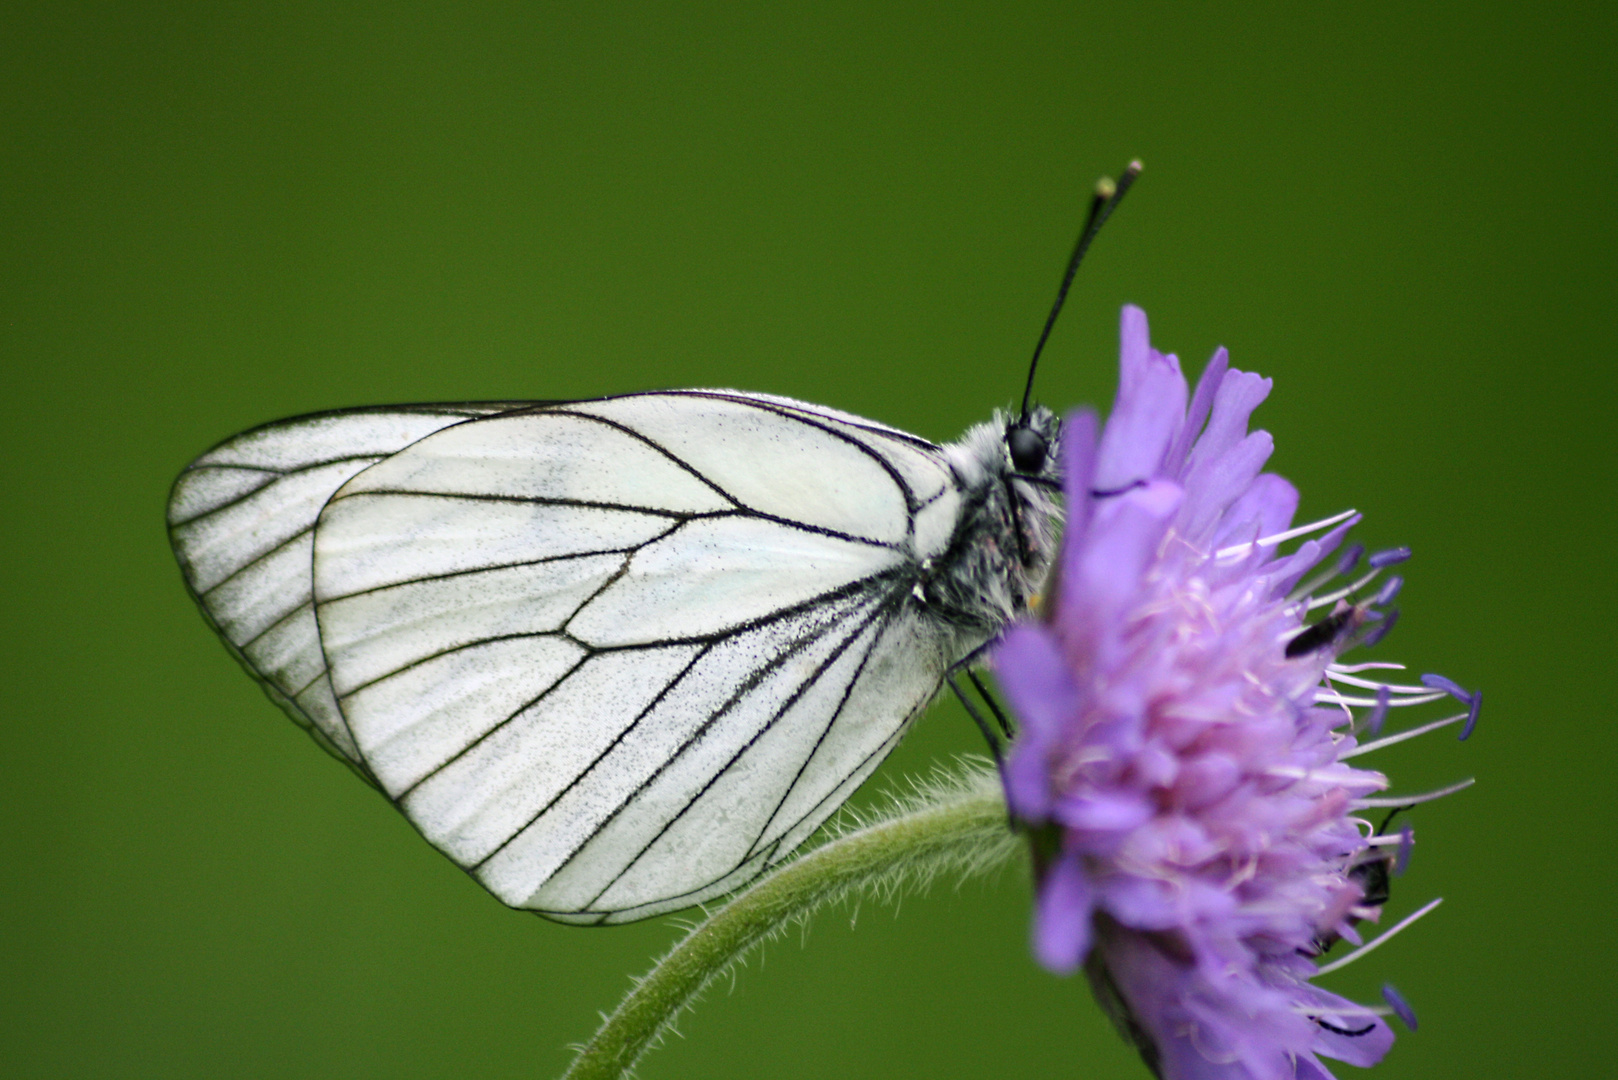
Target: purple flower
1185,729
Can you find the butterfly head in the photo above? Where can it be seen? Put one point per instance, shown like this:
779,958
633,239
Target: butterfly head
1030,440
1032,482
1028,449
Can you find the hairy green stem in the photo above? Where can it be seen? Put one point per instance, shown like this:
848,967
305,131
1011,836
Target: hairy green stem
952,825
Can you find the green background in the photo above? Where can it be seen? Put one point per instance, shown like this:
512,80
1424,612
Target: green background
219,214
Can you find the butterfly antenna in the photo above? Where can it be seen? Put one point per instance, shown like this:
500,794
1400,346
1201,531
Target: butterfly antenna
1103,202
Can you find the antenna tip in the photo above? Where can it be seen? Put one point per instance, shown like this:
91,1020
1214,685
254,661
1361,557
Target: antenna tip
1134,167
1105,188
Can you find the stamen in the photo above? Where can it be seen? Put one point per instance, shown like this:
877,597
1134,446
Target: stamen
1472,716
1308,586
1412,800
1390,557
1379,712
1380,630
1282,537
1377,665
1407,840
1354,1009
1473,699
1369,945
1379,744
1346,562
1331,774
1346,590
1327,696
1336,674
1349,559
1400,1006
1389,590
1449,686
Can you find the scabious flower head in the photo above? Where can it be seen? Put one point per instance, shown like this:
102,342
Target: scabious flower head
1181,759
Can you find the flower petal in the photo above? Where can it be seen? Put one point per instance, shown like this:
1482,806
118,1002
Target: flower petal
1214,483
1044,696
1078,449
1270,501
1363,1049
1101,571
1310,1069
1062,917
1102,811
1197,414
1147,414
1239,393
1286,572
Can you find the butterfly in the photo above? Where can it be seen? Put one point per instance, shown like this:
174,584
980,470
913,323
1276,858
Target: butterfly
616,657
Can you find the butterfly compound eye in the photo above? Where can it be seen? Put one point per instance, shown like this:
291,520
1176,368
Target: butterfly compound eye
1027,448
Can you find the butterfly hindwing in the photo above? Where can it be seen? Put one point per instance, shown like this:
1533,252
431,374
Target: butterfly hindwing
615,657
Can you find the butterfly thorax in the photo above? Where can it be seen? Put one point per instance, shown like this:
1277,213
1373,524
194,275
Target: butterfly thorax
1005,535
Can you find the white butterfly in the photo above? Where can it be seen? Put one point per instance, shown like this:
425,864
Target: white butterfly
617,657
613,657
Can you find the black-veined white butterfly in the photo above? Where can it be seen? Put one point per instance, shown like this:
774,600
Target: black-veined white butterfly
615,657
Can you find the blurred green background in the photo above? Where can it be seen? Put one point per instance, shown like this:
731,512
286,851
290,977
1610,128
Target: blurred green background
219,214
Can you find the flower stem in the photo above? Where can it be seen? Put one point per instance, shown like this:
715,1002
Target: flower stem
954,824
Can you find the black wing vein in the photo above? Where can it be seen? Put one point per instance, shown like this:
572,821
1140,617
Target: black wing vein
757,676
809,682
524,707
276,476
805,419
655,445
490,568
260,557
608,749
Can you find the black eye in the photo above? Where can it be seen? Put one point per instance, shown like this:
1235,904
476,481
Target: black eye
1027,448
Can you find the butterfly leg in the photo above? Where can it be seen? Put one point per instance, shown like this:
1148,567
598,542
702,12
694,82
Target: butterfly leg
989,734
994,706
966,664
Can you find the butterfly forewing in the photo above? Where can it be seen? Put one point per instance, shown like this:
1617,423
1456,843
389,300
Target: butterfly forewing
615,657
